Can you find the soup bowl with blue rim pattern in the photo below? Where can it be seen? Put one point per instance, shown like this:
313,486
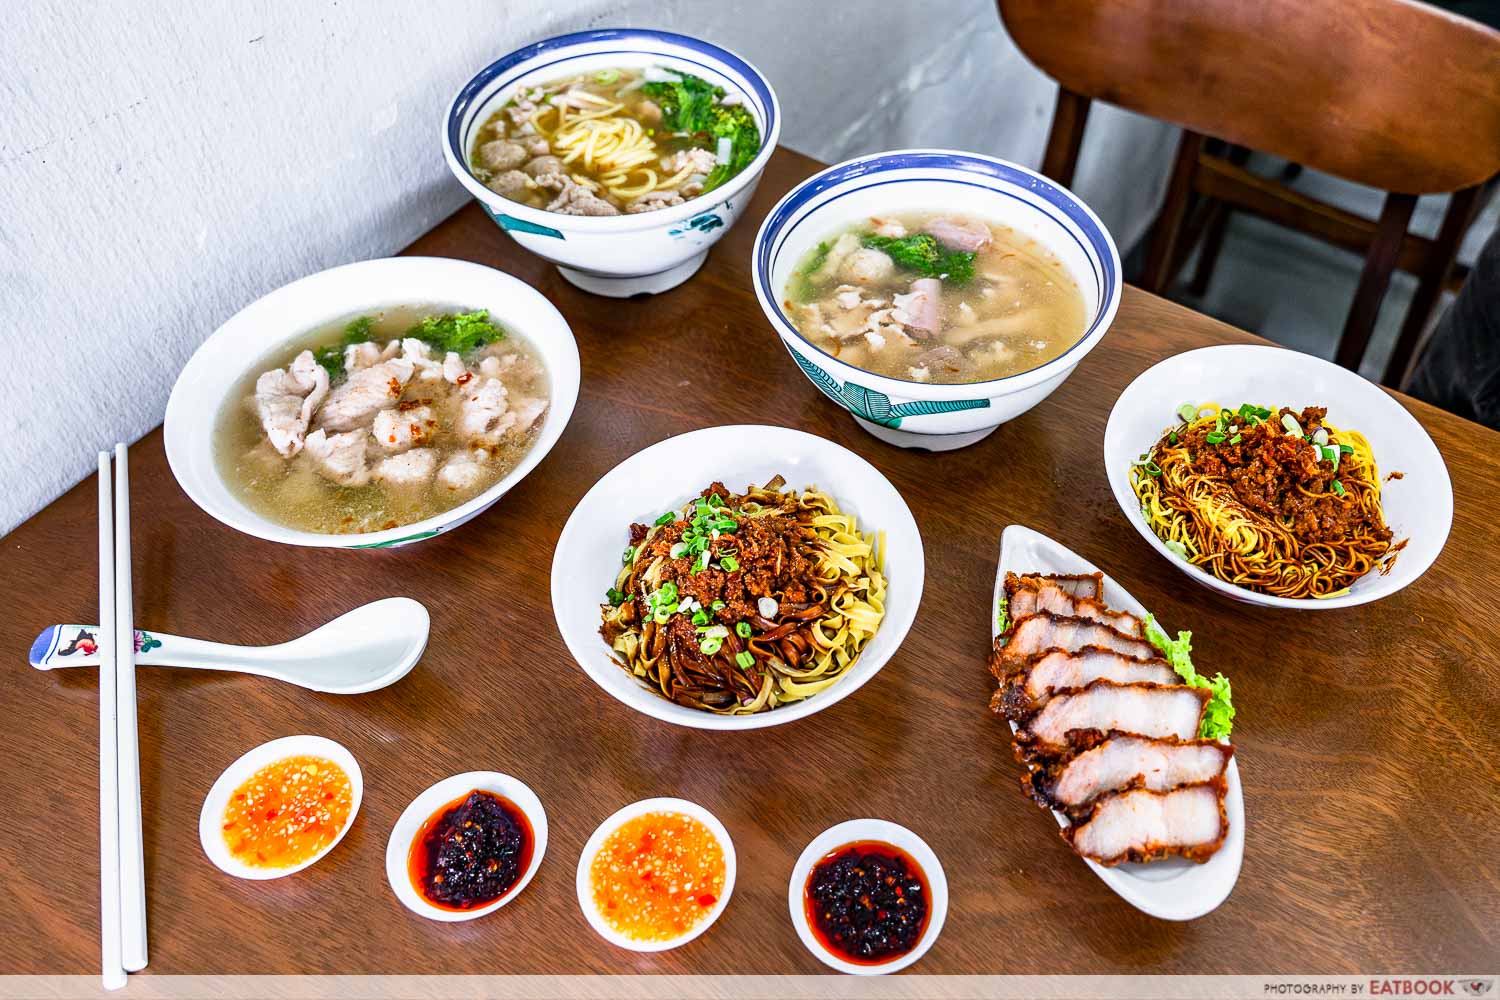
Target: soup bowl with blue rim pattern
614,255
912,414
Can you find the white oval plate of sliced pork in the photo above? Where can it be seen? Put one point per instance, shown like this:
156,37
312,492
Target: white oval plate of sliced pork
1110,735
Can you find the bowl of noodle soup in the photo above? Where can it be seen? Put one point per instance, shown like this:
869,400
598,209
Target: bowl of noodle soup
625,252
1371,506
665,616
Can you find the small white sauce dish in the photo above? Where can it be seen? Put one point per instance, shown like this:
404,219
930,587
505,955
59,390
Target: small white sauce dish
928,415
270,324
663,477
854,831
615,255
1174,888
211,819
445,792
1417,507
613,823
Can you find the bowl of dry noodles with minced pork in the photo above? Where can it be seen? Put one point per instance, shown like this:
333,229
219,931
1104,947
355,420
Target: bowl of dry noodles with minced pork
1278,478
737,577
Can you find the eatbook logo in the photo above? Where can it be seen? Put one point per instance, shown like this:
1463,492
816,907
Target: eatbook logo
1476,987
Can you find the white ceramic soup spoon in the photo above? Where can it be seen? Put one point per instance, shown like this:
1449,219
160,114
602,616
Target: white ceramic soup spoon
365,649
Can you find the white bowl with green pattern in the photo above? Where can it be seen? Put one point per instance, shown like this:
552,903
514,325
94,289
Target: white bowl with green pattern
270,326
928,415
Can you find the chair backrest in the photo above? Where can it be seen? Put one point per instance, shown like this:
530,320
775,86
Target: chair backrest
1394,94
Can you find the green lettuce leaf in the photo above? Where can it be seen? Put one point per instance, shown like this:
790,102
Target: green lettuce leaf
1218,719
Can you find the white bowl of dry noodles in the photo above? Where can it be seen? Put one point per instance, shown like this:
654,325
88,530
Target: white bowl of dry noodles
1278,478
737,577
619,154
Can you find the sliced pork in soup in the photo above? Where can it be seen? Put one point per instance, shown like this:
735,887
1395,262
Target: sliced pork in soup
929,297
387,420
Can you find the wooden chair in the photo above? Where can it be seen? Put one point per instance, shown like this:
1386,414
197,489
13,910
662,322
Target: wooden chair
1393,94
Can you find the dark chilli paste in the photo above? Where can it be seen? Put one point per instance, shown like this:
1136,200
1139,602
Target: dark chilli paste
470,852
867,902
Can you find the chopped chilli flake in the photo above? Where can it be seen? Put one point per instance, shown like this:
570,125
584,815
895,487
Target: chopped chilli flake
287,812
657,876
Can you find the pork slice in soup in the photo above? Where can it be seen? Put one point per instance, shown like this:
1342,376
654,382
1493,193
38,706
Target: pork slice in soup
389,420
935,298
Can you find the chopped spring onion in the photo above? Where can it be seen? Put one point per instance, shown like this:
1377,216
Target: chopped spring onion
679,550
702,563
1215,437
745,660
1337,487
661,616
700,617
615,597
605,77
714,631
742,629
1346,449
717,605
726,524
1187,413
1237,439
1152,469
768,607
1320,436
668,591
1290,423
708,647
666,519
728,563
1172,437
628,555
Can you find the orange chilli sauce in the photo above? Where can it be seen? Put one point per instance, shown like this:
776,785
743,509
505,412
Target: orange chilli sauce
657,876
287,812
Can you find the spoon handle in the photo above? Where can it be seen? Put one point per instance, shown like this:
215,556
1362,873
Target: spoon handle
78,646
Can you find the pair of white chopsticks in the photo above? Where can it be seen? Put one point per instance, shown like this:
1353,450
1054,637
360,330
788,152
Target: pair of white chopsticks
122,868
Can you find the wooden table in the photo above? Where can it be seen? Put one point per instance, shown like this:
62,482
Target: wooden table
1368,738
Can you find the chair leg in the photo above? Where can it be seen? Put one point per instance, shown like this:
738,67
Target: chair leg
1208,254
1380,261
1066,137
1430,281
1158,273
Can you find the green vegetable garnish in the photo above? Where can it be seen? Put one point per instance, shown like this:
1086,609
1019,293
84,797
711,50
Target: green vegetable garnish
921,252
627,555
735,124
1176,548
1218,718
700,617
1214,437
745,660
729,563
692,105
742,629
1002,614
666,519
458,332
614,596
1187,413
710,646
1337,487
331,357
802,287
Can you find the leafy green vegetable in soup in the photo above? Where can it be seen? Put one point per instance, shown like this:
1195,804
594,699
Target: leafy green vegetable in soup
922,253
687,103
456,332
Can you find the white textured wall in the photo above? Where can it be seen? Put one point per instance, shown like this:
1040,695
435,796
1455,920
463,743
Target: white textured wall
161,165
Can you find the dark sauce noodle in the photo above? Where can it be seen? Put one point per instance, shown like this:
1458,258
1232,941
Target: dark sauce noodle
867,902
470,852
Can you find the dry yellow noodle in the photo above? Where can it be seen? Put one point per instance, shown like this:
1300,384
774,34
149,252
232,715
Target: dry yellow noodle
1200,517
850,588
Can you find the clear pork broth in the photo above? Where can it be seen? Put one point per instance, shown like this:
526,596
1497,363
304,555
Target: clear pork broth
293,493
935,297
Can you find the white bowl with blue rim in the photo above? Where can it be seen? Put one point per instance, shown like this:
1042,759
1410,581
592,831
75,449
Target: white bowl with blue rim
264,332
617,255
927,415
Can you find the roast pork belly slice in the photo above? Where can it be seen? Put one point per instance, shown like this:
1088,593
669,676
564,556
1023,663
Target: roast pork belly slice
1154,710
1070,596
1043,631
1028,688
1144,825
1121,762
